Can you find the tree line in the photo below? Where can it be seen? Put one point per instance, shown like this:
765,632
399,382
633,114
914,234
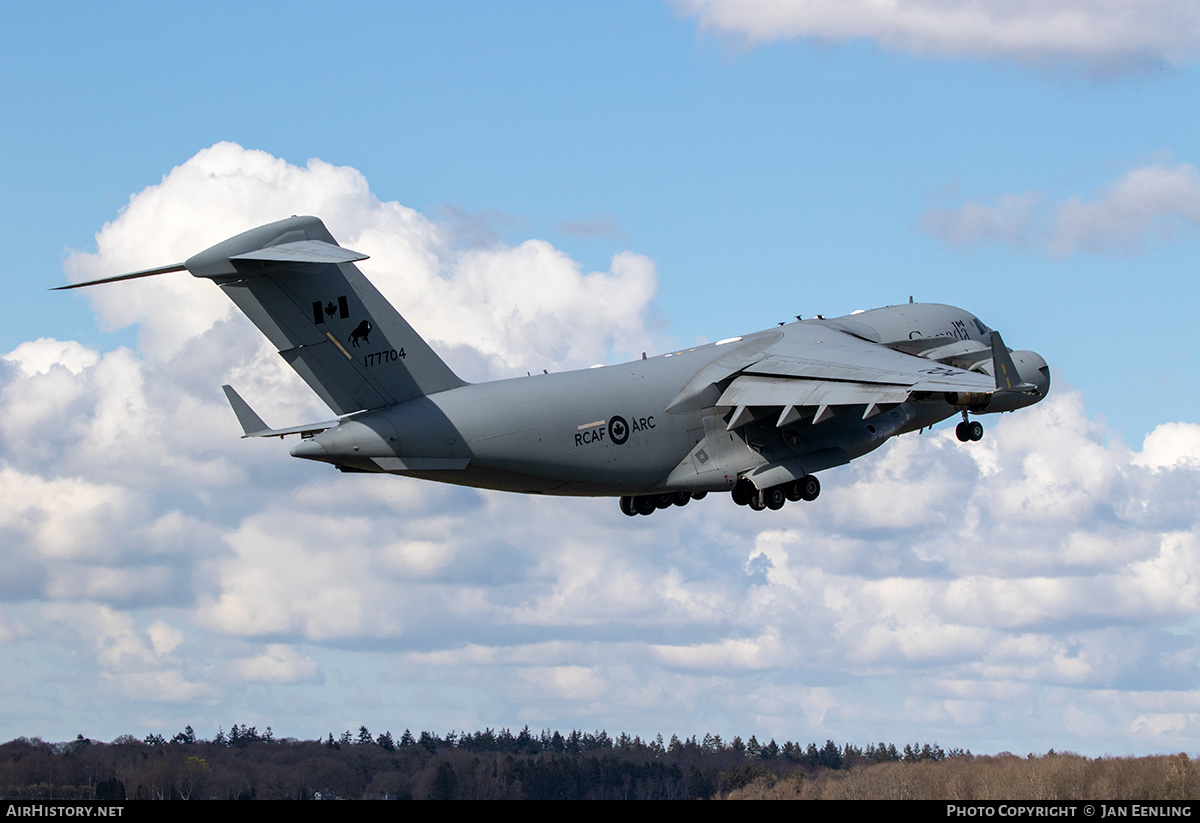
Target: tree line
243,763
525,742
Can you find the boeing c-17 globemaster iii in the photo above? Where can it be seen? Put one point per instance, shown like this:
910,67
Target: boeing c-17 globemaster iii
757,416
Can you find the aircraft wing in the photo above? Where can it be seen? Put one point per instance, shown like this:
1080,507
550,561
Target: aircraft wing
960,353
811,371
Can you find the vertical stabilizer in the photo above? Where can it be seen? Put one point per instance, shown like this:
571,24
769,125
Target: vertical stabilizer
328,322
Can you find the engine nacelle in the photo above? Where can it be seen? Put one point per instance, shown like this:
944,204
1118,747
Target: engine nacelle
976,401
1031,368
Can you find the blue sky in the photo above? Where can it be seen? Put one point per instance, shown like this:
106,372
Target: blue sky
719,167
796,172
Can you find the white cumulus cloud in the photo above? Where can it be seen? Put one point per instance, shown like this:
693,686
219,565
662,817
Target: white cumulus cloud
1103,34
1146,206
279,663
510,304
151,551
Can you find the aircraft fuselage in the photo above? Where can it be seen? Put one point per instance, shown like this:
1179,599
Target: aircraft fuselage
606,431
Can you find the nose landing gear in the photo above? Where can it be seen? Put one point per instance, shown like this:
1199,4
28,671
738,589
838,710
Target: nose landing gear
969,430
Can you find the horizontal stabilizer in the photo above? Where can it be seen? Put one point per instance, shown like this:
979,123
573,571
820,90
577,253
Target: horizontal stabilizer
303,291
253,425
119,277
303,251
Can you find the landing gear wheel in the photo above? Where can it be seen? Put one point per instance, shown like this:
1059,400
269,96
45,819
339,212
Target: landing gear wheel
975,430
757,503
774,497
793,490
743,492
627,506
699,495
681,498
810,487
963,431
644,505
663,501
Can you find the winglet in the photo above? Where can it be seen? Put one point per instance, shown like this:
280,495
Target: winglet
252,424
1005,372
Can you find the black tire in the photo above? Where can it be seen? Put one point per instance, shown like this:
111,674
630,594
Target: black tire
774,497
681,498
644,505
975,431
810,488
794,490
963,432
743,492
757,503
627,506
663,501
699,495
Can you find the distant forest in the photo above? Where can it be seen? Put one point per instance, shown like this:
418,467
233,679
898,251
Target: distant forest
245,764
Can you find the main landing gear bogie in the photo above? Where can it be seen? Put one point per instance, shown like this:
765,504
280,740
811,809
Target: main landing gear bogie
744,494
774,497
650,503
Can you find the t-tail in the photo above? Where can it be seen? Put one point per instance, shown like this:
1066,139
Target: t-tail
327,320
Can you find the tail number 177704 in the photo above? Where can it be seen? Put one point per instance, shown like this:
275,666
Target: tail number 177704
380,357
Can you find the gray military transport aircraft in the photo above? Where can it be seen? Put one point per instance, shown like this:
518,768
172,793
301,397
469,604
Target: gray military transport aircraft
757,415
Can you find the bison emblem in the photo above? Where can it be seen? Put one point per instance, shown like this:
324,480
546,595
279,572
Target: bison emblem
361,332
